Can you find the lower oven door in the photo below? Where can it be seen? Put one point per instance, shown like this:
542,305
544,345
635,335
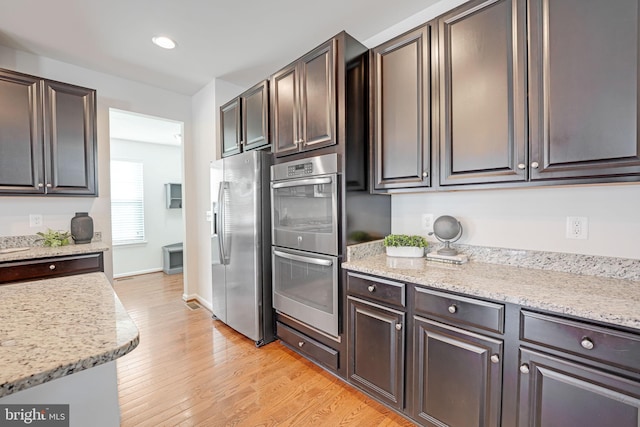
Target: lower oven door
305,287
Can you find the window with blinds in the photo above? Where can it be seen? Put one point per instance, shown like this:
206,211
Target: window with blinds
127,202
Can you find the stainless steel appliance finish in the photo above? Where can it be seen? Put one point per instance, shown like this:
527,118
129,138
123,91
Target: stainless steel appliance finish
305,288
241,244
304,198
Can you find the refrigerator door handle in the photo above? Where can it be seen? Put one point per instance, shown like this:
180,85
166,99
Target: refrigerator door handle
301,182
316,261
220,223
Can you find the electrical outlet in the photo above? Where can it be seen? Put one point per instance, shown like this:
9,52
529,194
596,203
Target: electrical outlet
577,227
35,220
427,222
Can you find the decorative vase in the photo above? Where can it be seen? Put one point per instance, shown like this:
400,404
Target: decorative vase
405,251
82,228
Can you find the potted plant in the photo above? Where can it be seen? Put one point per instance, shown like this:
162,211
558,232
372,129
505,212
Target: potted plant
402,245
54,238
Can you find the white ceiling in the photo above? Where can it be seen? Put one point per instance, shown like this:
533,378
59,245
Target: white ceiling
139,127
238,41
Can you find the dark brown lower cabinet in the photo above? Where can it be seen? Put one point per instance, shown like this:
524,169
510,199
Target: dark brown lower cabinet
557,392
377,350
457,376
48,268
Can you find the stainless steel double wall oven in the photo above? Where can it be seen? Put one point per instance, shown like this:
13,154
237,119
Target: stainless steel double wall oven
305,197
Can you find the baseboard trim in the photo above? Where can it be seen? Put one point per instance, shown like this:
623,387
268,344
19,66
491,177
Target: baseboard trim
136,273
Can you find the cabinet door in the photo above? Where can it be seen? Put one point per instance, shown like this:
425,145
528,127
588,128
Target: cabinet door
230,129
21,150
70,139
284,118
555,392
376,350
583,70
483,94
458,376
255,116
318,97
401,108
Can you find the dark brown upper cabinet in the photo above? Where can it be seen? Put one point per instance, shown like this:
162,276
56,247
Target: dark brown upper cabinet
303,98
401,82
583,81
482,53
244,121
47,138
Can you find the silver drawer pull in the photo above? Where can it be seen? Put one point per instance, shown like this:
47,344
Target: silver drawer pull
52,267
453,308
398,326
495,358
534,165
524,368
301,343
371,288
586,343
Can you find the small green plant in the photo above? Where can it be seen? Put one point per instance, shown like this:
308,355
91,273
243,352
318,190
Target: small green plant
54,238
396,240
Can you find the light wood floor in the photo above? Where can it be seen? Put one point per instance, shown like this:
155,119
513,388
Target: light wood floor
190,370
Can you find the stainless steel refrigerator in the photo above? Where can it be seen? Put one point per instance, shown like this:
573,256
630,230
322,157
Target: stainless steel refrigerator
241,244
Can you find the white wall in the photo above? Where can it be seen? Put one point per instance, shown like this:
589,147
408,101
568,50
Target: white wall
205,105
532,218
113,92
161,164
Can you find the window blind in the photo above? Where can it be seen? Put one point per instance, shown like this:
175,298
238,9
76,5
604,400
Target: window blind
127,202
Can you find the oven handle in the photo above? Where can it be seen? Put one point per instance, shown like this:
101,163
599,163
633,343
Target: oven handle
301,182
325,262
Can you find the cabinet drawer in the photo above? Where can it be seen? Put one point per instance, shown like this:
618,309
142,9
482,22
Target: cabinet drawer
594,342
308,346
376,289
50,267
460,310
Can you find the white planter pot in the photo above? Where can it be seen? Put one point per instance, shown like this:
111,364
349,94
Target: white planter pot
405,251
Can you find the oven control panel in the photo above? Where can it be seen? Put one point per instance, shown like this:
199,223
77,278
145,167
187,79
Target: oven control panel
300,169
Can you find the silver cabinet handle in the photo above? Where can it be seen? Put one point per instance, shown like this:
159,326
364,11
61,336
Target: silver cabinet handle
524,368
534,165
316,261
371,288
452,308
49,185
495,358
40,185
301,343
586,343
521,166
398,326
52,267
425,174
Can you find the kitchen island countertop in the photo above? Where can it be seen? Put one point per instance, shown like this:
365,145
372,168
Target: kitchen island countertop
608,300
56,327
46,252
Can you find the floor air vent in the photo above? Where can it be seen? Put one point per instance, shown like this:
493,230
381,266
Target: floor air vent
192,305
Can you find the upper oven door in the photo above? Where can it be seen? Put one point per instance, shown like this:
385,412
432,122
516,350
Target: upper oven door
305,214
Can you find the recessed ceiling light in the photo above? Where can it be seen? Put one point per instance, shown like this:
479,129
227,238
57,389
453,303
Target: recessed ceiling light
163,42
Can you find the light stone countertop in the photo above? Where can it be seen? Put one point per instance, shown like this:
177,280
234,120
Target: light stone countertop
46,252
53,328
609,300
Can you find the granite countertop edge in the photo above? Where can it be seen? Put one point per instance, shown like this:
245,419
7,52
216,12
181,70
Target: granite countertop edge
94,350
38,252
606,300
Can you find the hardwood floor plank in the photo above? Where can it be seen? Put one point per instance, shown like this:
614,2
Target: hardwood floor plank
191,370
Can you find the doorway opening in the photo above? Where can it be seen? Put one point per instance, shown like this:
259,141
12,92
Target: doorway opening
147,220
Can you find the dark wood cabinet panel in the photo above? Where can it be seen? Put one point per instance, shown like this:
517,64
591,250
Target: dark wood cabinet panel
70,139
45,268
48,140
255,116
457,376
317,351
482,55
556,392
21,143
377,350
303,97
230,128
583,79
400,110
